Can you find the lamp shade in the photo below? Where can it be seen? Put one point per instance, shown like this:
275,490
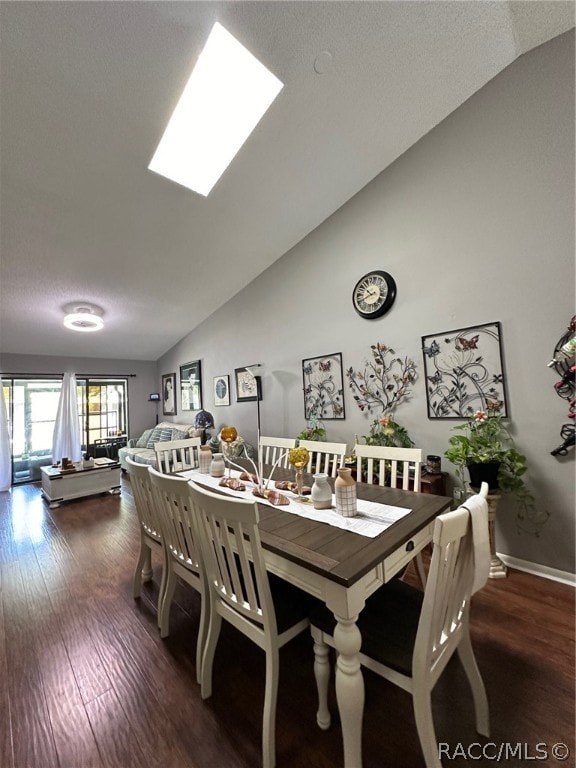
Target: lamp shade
204,420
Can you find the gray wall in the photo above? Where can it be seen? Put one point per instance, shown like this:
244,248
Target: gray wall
142,414
476,224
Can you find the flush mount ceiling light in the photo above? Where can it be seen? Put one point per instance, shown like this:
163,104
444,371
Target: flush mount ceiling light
227,94
84,318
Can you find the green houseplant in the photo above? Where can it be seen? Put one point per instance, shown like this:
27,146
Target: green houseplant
485,447
314,430
386,431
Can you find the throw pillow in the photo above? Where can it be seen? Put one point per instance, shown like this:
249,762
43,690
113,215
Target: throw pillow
142,441
159,435
177,434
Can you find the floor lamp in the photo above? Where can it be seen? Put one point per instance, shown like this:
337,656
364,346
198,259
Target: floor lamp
257,371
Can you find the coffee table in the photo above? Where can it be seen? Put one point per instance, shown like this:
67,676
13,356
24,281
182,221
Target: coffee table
59,486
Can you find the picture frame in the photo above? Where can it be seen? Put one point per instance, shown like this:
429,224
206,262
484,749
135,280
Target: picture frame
191,386
464,372
221,390
248,386
323,387
169,394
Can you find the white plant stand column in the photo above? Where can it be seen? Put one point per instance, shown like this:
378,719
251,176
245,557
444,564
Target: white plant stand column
497,568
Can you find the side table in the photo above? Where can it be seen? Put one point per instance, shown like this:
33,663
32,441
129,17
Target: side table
433,482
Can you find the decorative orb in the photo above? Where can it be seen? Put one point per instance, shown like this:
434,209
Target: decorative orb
228,434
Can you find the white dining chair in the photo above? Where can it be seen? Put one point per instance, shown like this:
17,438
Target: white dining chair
388,465
408,636
272,450
324,457
393,467
177,455
266,609
150,529
183,553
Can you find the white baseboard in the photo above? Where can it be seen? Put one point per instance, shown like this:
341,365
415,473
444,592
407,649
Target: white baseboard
565,577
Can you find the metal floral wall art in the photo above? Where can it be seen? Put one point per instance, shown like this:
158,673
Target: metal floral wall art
464,372
385,381
323,387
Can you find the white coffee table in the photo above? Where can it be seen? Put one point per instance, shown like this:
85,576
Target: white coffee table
58,486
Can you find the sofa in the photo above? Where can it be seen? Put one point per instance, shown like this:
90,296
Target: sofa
141,449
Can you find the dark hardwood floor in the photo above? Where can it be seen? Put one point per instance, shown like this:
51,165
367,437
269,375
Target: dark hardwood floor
86,681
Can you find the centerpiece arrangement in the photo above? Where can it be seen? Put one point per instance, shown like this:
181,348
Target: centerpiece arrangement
236,447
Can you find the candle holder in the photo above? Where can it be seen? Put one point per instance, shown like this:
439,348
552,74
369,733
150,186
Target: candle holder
227,436
298,458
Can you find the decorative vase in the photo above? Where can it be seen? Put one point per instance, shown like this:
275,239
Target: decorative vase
321,493
204,459
345,492
486,472
217,465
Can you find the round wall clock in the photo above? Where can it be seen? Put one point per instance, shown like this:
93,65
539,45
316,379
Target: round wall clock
374,294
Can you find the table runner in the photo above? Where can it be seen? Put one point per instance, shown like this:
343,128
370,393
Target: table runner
371,520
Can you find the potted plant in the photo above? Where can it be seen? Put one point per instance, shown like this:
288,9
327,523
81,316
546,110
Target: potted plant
314,430
386,431
486,448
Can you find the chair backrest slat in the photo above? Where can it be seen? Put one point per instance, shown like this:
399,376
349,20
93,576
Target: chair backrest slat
324,457
395,467
448,589
179,529
273,448
144,498
233,557
177,455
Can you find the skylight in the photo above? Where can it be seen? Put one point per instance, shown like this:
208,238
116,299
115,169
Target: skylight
227,94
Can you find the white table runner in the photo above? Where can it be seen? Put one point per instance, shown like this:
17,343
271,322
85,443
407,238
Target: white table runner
372,518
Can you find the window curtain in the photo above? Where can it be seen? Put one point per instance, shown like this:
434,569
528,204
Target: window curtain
66,441
5,457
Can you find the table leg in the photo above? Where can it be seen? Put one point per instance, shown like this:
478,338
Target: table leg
349,688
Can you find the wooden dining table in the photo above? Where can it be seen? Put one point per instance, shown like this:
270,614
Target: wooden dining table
343,569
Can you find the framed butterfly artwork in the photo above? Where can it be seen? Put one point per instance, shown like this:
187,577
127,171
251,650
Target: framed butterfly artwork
464,372
323,387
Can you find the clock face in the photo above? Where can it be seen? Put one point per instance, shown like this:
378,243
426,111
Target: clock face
374,294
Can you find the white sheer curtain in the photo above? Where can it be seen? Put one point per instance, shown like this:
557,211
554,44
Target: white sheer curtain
66,441
5,459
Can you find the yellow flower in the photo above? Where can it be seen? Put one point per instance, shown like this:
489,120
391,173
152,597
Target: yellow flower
298,457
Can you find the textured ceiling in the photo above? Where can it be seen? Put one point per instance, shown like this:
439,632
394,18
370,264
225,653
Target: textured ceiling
86,90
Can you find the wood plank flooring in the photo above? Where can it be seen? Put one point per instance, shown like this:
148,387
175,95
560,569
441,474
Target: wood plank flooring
86,681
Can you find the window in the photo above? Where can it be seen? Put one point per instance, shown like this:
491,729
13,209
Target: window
32,405
103,405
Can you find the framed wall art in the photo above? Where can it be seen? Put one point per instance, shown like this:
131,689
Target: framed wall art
323,387
169,394
191,386
464,372
248,386
221,390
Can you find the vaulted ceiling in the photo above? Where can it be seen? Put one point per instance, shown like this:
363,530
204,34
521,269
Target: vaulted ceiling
86,90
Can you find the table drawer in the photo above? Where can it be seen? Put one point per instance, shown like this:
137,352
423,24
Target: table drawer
402,556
